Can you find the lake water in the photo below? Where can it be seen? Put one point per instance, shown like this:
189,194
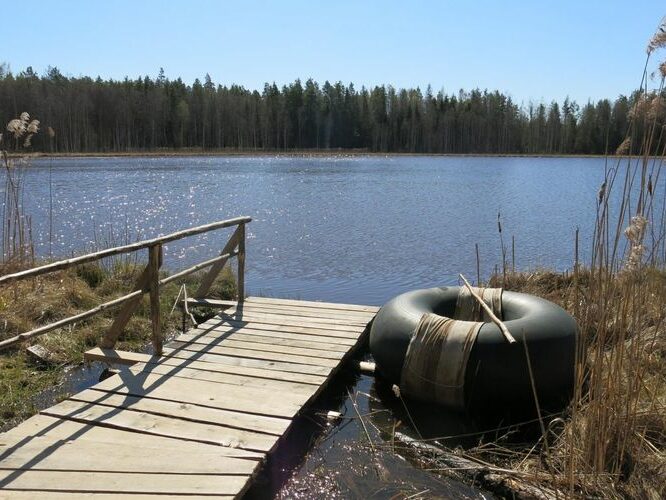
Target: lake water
352,229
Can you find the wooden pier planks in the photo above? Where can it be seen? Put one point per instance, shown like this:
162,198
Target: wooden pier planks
196,422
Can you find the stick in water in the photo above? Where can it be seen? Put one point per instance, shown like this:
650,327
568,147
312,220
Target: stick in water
489,311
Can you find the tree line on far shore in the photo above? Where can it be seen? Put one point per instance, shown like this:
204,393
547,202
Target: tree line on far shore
95,115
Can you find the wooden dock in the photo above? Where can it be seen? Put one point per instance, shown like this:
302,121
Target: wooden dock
199,420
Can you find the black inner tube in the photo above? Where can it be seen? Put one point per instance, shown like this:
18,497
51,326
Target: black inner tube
498,374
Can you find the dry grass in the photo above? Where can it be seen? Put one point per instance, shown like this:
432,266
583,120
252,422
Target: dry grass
612,441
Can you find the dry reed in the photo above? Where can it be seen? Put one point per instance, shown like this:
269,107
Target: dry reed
17,244
611,442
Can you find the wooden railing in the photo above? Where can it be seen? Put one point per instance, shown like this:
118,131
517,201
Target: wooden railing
148,282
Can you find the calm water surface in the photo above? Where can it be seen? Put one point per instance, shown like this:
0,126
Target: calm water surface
353,229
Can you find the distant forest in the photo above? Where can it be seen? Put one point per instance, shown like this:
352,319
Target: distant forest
95,115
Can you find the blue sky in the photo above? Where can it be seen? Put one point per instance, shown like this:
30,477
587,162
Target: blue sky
533,50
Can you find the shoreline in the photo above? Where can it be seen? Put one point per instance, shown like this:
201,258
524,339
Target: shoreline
302,153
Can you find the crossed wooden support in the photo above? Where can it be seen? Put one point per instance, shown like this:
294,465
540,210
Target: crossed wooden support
149,282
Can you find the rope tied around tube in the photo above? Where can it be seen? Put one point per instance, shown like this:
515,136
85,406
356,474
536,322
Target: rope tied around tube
436,361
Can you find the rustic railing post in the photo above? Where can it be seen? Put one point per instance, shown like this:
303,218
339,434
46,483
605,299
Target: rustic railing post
154,264
241,262
215,270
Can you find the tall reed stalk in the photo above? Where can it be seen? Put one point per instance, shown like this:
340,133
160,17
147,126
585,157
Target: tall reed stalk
17,242
614,443
613,438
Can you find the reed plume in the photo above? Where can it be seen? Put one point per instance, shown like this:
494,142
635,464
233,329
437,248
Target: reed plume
611,441
17,244
658,40
622,149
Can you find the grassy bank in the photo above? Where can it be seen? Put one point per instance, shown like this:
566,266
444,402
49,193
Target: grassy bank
45,299
611,441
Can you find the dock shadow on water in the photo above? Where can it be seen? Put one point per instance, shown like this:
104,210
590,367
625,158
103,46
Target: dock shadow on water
356,456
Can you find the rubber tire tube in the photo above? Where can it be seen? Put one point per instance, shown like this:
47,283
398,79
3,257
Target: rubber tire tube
497,372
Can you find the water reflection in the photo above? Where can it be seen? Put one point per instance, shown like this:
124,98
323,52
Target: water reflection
350,229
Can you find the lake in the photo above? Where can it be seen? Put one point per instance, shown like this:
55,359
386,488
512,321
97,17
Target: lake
340,228
358,229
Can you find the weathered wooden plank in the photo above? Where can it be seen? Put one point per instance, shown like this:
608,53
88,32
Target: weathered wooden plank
157,425
313,303
297,316
347,333
221,364
45,453
224,396
186,411
286,319
130,358
57,428
248,362
304,347
254,353
308,312
116,356
248,310
221,328
201,336
117,482
308,307
224,378
40,354
275,362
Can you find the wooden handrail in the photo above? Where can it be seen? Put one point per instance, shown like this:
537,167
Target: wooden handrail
107,305
68,321
148,281
91,257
